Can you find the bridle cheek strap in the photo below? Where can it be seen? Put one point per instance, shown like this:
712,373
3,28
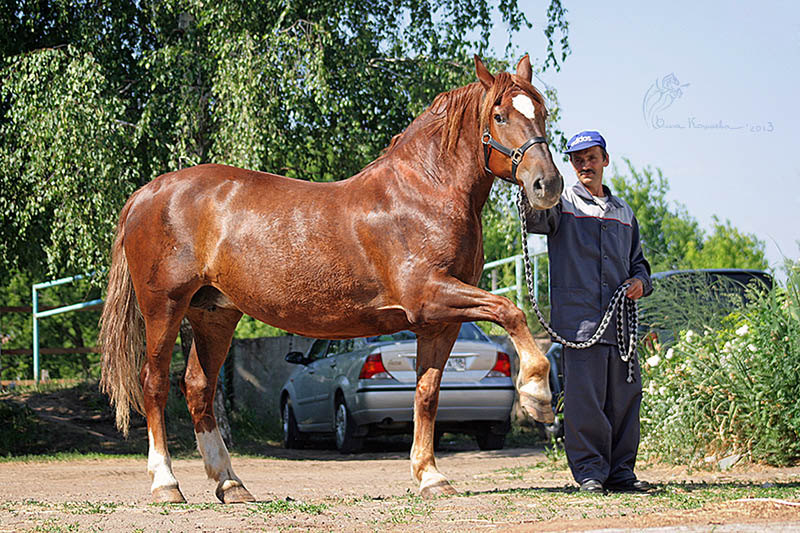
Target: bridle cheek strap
516,155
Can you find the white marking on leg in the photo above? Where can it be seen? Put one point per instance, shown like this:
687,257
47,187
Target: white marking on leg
540,390
524,104
216,458
431,477
160,467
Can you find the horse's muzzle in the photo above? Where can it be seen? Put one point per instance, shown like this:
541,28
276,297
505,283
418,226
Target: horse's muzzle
544,192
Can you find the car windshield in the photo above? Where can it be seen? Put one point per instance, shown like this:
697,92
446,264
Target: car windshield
468,332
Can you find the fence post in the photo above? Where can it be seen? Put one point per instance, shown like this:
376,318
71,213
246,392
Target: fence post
518,273
35,309
55,311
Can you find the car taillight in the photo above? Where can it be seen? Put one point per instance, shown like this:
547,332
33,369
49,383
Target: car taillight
501,368
373,368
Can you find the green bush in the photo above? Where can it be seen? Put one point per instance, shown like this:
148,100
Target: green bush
22,430
730,390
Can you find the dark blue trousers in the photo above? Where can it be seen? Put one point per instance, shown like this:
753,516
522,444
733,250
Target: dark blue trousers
601,414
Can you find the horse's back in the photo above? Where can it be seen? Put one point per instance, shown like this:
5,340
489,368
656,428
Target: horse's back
268,242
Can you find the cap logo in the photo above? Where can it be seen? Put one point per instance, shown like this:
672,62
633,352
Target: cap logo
582,138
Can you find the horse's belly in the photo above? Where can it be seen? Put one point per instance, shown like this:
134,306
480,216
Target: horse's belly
332,322
316,304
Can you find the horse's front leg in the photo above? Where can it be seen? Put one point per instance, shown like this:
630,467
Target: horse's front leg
456,300
433,349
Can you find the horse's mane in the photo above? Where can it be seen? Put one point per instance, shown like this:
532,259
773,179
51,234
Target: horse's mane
452,110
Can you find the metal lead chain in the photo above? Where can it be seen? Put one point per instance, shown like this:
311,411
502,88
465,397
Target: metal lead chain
624,307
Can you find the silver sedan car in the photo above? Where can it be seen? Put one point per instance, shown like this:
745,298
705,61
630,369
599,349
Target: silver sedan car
357,388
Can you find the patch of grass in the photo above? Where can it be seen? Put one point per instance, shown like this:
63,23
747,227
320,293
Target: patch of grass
67,456
409,508
287,506
555,458
52,525
514,472
90,507
251,431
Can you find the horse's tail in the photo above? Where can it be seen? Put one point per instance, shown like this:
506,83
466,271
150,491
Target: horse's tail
121,338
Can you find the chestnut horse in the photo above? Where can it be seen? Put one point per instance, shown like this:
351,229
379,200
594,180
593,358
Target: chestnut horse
397,246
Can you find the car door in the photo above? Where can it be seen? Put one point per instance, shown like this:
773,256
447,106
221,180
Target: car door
339,352
309,386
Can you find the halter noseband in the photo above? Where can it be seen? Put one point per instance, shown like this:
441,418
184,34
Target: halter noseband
515,155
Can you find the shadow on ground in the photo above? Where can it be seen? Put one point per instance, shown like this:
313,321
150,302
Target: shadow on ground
78,418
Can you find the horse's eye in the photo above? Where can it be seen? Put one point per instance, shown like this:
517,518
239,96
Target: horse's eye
499,118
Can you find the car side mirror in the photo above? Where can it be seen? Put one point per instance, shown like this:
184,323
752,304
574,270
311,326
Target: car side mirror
296,358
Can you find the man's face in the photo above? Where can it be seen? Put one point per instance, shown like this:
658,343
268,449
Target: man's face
589,164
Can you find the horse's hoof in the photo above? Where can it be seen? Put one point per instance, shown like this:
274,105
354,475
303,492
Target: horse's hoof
234,494
539,410
441,488
168,495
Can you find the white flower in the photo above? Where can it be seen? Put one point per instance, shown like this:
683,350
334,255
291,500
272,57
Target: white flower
742,330
727,348
689,335
653,361
651,388
752,348
670,353
662,391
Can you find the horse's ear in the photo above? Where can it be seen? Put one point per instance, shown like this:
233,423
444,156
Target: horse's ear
524,68
487,80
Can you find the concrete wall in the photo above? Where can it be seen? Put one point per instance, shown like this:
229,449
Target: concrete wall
259,371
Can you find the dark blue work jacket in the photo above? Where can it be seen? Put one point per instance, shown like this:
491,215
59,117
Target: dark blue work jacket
592,249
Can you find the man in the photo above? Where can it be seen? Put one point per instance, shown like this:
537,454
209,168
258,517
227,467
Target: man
593,246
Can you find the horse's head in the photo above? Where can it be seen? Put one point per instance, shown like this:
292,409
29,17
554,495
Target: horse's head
513,117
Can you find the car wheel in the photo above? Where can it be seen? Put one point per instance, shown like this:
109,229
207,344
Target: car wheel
493,436
490,441
437,440
345,429
292,438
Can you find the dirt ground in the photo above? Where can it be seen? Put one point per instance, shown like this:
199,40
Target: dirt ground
509,490
516,489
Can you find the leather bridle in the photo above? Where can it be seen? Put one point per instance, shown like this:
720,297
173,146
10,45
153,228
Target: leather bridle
515,155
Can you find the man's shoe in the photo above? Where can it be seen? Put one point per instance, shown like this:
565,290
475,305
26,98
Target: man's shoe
592,486
632,485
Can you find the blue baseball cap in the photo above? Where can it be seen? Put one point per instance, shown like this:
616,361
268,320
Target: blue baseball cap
585,139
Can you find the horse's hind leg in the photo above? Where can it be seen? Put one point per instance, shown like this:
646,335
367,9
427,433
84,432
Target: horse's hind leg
213,330
432,353
162,322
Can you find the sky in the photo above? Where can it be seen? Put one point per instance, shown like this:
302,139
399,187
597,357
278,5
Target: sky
736,65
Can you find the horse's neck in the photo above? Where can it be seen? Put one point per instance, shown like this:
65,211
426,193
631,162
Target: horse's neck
457,175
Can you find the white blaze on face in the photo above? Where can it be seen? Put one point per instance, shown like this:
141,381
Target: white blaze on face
524,104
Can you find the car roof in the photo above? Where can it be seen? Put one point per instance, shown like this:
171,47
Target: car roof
717,271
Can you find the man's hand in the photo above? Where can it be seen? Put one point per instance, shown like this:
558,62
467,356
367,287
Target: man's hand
636,290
